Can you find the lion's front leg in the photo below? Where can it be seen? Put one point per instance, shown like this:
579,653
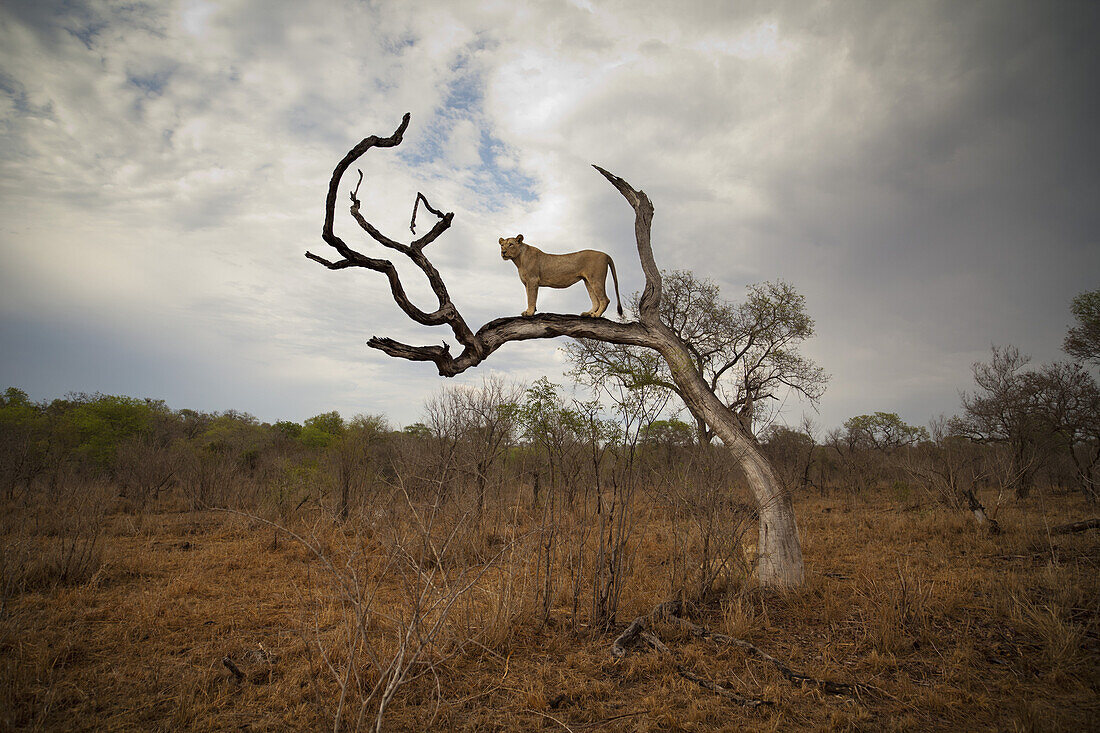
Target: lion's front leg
532,296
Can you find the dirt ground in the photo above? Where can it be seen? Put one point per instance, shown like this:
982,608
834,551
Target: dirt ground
948,628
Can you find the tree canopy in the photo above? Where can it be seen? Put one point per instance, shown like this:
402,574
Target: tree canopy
1083,340
746,352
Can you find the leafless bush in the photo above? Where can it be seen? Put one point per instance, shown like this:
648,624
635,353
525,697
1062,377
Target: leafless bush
397,599
208,476
952,468
711,523
473,428
793,453
54,542
144,466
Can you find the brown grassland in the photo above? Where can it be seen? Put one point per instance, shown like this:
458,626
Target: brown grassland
948,628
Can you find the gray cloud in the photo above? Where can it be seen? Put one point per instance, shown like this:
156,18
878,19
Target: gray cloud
925,173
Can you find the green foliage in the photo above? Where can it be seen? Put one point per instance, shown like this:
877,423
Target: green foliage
1083,340
668,432
417,430
593,429
746,352
321,431
103,422
24,432
288,429
882,431
14,398
17,412
543,416
367,427
231,432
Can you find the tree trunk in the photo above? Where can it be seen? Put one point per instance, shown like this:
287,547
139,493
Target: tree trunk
779,564
703,434
1024,477
480,491
779,551
984,520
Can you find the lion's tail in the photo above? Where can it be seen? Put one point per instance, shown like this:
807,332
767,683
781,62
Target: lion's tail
615,278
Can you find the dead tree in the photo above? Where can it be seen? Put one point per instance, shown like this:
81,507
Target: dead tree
779,561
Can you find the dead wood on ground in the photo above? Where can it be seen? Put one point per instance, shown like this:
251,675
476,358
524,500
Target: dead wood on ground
672,611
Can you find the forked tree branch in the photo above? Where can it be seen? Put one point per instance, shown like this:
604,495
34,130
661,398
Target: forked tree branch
477,346
780,557
445,313
421,197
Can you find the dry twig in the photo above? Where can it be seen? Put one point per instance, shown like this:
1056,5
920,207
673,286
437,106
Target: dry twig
639,628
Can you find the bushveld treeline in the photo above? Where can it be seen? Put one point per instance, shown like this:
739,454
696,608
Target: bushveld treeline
500,444
1026,428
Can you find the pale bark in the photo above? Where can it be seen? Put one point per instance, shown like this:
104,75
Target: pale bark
779,563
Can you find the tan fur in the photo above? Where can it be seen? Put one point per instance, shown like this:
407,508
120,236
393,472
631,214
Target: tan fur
541,269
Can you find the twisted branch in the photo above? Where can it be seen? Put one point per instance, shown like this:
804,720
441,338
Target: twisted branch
476,346
421,197
780,560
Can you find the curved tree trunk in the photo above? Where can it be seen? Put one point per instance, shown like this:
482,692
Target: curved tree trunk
779,559
779,562
779,548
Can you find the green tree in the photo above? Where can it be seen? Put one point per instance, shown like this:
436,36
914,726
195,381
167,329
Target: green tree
104,422
1083,340
547,423
216,457
288,429
882,431
670,433
321,431
23,437
350,451
747,353
417,430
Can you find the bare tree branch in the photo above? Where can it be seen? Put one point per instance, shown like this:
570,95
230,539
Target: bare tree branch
421,197
648,307
780,561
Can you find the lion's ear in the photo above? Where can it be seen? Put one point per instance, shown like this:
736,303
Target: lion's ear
502,240
519,237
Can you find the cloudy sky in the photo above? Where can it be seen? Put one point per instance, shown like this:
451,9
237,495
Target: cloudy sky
926,174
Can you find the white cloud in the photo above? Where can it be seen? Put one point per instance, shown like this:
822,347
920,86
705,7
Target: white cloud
163,168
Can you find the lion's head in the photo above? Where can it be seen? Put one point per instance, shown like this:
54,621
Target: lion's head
511,248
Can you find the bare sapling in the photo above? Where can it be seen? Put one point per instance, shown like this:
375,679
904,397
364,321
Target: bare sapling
397,599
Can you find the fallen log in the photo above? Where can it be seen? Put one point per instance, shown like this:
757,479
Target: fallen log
672,611
833,688
1076,526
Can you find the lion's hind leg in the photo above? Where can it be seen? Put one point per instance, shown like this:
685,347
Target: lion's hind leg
600,301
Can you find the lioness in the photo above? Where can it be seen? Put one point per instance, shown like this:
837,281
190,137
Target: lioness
541,269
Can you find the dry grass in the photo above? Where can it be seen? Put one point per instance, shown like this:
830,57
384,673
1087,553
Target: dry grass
952,629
